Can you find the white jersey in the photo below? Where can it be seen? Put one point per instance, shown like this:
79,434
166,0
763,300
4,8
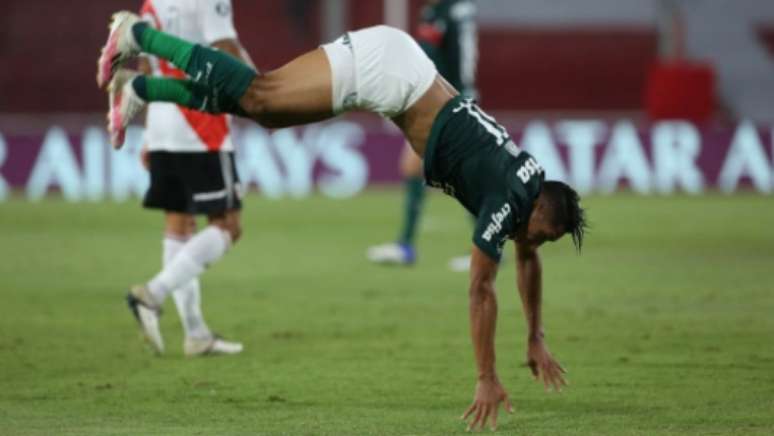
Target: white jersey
174,128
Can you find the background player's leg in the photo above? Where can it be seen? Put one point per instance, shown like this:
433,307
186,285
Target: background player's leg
179,228
403,251
411,170
203,249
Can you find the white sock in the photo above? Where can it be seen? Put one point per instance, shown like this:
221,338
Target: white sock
203,249
187,297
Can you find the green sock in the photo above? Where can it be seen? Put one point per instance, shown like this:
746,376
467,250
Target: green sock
180,91
163,45
222,77
412,208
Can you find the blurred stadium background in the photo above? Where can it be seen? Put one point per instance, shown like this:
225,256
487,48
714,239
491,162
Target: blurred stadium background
660,111
584,84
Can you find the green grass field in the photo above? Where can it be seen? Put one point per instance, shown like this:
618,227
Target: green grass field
665,324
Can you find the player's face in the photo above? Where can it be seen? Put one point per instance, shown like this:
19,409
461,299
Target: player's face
539,228
540,231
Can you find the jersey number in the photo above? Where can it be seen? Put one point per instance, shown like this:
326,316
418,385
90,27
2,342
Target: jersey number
489,123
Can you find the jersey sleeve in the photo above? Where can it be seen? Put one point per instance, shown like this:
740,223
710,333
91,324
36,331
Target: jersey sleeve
216,20
495,223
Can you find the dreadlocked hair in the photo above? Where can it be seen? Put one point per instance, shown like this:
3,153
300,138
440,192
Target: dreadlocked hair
564,204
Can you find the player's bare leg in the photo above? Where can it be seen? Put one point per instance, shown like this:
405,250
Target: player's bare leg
299,92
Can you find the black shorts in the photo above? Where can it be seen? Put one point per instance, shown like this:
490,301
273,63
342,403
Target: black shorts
195,183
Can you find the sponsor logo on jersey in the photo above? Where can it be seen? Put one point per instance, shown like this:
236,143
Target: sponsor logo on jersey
529,169
497,222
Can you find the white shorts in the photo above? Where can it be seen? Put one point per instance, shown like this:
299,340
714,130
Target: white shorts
378,69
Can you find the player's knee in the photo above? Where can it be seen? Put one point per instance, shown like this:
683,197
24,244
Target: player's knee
481,289
258,102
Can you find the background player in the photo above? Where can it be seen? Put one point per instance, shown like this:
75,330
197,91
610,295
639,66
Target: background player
448,34
381,70
190,156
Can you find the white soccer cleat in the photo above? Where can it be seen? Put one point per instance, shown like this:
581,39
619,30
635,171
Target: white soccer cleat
213,345
392,254
124,103
147,313
119,48
460,263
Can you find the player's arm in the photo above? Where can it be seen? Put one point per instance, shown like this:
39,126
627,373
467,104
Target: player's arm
530,284
483,318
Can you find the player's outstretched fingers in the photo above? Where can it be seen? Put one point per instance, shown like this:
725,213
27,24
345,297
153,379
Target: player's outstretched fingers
547,377
508,405
485,416
468,412
534,368
556,379
476,419
494,417
559,381
559,376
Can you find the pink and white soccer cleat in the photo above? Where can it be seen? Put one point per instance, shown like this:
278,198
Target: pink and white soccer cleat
119,48
125,104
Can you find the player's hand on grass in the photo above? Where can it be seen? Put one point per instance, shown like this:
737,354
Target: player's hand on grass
489,394
544,367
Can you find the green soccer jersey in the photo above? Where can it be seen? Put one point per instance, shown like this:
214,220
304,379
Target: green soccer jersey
448,35
472,158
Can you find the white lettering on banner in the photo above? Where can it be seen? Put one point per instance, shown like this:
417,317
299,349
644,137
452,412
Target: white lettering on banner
624,159
676,146
581,137
285,162
338,145
93,146
538,142
55,165
297,156
3,155
256,164
127,176
334,145
746,157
